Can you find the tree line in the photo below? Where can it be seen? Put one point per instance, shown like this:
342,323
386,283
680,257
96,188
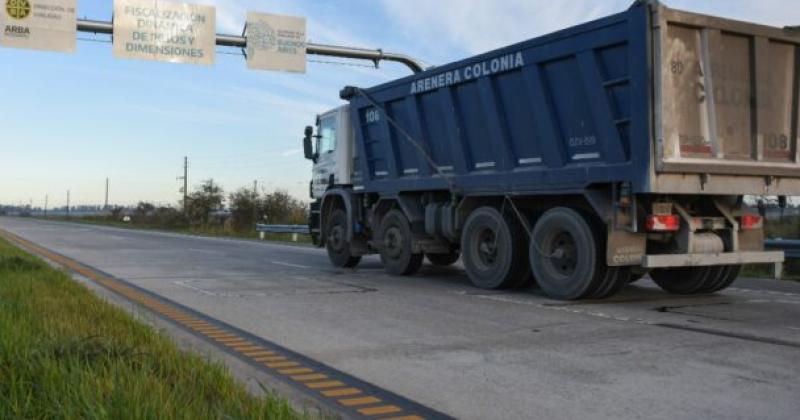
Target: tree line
208,205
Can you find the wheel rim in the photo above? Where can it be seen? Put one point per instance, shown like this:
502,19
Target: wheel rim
562,254
486,248
393,243
336,237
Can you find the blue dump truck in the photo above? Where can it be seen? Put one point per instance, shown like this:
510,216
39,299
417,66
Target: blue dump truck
580,160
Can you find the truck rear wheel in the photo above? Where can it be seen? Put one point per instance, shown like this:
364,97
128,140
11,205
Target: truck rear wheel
336,243
567,257
725,276
395,239
684,280
493,250
443,260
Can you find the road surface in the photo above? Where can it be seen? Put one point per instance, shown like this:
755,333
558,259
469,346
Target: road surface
471,353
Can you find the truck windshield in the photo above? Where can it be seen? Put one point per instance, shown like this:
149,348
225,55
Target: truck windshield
327,132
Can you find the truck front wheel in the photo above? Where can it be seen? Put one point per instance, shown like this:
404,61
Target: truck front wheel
336,243
395,239
493,250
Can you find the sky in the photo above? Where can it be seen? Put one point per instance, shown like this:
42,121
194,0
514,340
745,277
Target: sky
69,121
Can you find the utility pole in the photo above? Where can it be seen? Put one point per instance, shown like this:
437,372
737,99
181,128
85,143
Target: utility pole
185,179
67,203
45,205
105,207
255,201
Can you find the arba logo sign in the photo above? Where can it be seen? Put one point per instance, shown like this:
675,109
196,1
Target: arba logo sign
18,9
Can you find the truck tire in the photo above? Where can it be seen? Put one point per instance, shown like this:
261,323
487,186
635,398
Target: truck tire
493,250
726,276
634,277
443,260
683,280
394,236
336,243
615,280
567,257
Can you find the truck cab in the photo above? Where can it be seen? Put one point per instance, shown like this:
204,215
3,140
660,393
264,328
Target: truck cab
330,146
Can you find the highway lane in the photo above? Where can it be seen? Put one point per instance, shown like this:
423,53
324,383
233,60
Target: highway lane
471,353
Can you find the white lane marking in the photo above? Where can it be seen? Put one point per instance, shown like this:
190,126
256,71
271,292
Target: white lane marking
765,292
196,289
581,311
285,264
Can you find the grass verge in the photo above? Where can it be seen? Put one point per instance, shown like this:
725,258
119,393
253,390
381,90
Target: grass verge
65,353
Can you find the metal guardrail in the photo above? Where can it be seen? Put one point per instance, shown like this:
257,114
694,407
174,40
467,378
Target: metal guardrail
299,229
790,247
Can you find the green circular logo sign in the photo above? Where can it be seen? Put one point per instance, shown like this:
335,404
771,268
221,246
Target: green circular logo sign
18,9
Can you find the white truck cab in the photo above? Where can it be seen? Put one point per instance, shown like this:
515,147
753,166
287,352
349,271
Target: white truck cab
332,151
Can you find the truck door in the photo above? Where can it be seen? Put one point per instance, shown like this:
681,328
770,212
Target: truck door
326,167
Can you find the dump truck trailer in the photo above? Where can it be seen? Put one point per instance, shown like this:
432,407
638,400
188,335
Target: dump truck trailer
581,160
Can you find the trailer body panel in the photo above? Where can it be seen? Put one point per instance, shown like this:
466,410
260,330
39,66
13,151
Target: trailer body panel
662,99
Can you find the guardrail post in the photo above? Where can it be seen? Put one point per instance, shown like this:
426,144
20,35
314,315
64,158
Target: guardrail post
778,271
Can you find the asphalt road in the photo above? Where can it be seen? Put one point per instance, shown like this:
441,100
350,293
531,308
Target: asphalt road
471,353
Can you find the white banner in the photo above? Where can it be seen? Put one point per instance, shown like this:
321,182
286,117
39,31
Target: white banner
38,24
276,42
164,31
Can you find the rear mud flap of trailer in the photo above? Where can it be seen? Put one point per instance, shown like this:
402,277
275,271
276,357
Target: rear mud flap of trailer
625,248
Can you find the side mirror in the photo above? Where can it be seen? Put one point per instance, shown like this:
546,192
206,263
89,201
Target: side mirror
308,148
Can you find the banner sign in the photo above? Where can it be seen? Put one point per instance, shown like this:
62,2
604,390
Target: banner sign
164,31
38,24
276,42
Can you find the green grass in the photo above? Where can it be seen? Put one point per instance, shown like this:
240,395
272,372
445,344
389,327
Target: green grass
64,353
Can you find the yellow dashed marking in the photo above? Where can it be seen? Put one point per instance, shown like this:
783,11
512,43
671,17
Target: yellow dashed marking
281,364
222,334
350,402
258,353
311,377
326,384
207,330
384,409
187,320
249,348
190,321
228,338
295,371
270,359
344,392
239,344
